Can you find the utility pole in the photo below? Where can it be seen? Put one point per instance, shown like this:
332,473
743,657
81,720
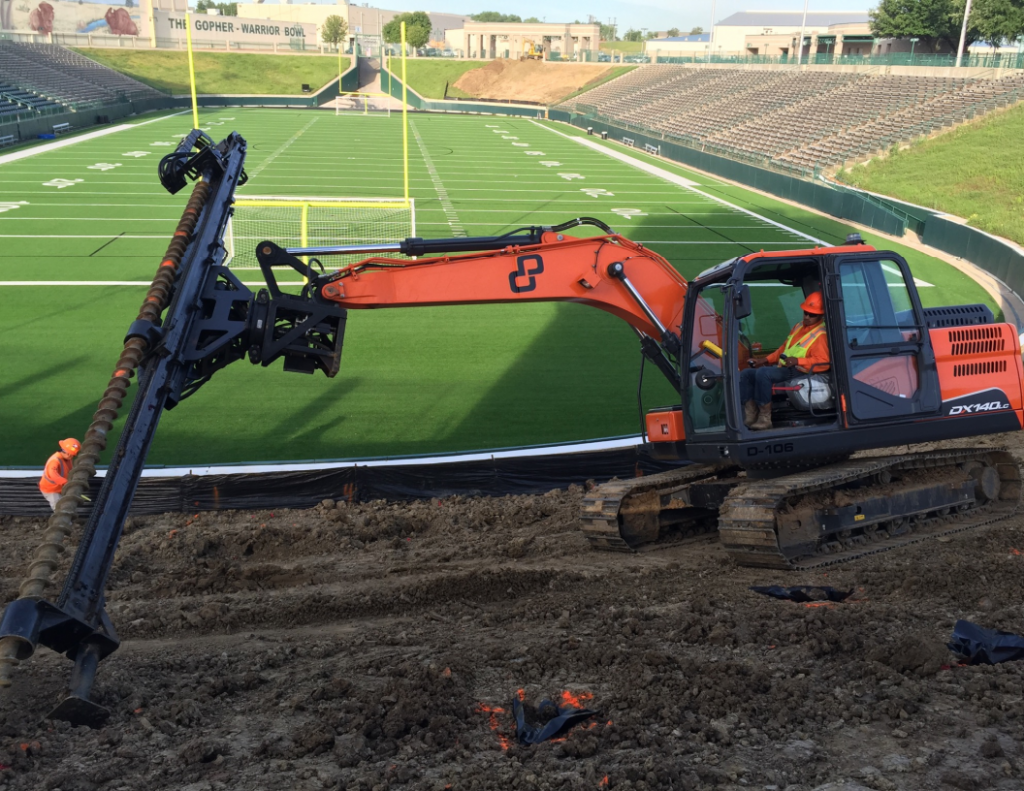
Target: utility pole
711,41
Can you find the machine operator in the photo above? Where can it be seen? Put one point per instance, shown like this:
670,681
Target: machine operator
805,351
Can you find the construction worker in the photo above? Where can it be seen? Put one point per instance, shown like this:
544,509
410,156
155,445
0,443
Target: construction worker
55,474
805,351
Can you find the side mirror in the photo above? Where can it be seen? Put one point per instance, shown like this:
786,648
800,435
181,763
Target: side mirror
741,301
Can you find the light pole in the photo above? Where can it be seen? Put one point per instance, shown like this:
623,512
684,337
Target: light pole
913,41
963,34
800,43
711,40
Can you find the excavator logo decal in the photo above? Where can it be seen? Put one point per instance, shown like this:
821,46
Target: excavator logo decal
522,271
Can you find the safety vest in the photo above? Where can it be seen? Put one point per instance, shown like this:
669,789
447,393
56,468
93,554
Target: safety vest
57,466
797,346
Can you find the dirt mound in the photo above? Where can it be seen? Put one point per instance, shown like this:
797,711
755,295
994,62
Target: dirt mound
379,646
528,81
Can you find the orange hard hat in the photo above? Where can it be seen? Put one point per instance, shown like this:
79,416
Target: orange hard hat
814,304
70,446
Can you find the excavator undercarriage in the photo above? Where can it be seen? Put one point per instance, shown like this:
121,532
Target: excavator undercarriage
816,517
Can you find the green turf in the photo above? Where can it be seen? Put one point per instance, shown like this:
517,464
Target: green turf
412,381
982,173
222,72
629,47
428,77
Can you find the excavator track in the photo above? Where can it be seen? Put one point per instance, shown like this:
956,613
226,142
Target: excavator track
808,519
632,515
845,511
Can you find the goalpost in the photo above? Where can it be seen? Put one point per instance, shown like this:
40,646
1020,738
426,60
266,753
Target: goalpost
315,222
360,103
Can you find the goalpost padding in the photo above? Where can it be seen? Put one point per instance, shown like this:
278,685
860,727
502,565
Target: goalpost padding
315,222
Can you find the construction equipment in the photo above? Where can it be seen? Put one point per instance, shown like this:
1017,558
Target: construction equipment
788,497
530,51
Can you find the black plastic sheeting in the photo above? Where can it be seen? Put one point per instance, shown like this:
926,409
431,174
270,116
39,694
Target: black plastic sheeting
304,489
804,593
980,646
565,719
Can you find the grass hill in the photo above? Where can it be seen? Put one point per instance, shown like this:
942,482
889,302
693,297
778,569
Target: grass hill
975,171
428,76
222,72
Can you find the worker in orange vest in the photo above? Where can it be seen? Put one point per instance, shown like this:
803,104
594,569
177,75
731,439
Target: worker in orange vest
55,474
805,351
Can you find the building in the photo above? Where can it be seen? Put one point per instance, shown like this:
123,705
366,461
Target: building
363,21
693,44
513,39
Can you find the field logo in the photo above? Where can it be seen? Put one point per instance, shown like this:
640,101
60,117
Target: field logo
522,271
62,183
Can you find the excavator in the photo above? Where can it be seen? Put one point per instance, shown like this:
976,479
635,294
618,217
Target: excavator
806,493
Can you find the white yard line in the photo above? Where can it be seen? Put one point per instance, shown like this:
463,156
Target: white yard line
446,204
57,144
249,469
685,183
283,148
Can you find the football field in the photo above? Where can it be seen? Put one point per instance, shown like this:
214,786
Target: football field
84,226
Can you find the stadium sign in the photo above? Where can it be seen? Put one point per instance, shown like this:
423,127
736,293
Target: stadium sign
172,25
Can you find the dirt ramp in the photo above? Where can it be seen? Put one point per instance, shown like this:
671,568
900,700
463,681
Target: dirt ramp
528,81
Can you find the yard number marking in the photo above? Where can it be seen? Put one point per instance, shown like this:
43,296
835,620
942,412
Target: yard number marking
62,183
225,118
161,143
534,153
629,214
597,192
551,164
12,205
522,145
491,126
571,176
104,166
509,137
500,131
136,154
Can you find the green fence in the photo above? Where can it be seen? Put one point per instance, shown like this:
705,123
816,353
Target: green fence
29,127
1010,60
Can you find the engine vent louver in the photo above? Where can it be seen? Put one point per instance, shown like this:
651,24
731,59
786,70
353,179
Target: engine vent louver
980,369
977,340
957,316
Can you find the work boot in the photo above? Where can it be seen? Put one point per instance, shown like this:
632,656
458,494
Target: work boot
749,413
764,418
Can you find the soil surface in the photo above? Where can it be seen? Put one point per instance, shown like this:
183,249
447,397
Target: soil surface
380,646
529,80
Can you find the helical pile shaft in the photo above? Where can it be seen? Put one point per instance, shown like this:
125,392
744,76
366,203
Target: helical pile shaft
14,650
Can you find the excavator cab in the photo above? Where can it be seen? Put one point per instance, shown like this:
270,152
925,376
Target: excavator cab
884,376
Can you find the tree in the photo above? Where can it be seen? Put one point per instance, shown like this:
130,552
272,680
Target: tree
998,21
696,31
534,20
225,9
935,22
334,30
495,16
608,33
633,35
129,3
417,29
672,32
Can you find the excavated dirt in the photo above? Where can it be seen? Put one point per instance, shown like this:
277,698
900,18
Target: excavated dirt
528,81
380,646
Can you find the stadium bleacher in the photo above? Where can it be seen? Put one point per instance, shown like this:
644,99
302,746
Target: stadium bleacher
46,76
796,120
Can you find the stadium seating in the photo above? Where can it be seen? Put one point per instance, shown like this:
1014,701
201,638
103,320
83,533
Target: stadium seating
47,76
797,120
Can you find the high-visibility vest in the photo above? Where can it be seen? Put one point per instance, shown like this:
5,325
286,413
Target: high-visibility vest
55,474
797,346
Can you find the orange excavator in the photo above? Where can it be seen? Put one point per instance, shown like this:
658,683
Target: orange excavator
806,492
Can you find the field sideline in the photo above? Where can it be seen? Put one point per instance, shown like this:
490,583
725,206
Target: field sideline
412,381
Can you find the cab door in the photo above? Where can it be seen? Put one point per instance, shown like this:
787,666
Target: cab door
889,369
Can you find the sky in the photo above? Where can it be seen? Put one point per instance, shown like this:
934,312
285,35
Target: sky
650,14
